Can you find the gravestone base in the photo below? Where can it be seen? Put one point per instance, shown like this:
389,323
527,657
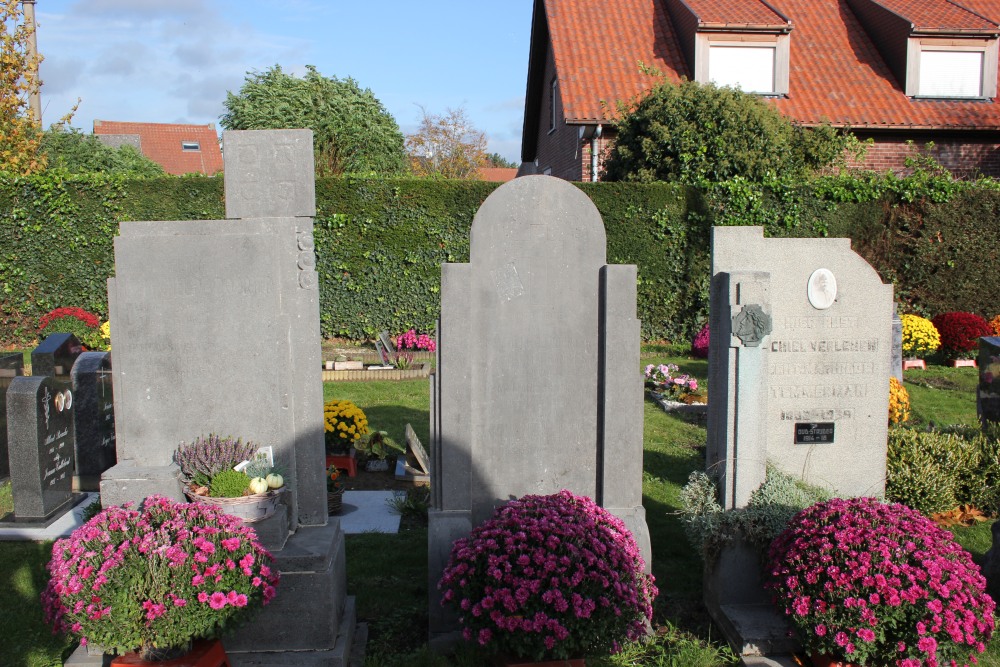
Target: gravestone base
309,621
443,528
44,522
736,600
128,482
339,656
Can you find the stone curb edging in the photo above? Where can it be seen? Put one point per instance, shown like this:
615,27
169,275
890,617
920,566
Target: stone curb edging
418,371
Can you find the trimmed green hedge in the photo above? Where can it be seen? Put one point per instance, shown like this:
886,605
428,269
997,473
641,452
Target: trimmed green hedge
380,244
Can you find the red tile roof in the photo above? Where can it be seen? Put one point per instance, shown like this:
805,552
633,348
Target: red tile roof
162,143
835,72
937,15
497,174
735,12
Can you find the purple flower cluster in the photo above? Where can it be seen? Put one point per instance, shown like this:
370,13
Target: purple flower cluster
873,583
411,341
131,579
549,577
699,346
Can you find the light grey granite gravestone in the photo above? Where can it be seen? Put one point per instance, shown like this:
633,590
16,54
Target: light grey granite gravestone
798,377
40,440
94,417
217,331
538,385
11,366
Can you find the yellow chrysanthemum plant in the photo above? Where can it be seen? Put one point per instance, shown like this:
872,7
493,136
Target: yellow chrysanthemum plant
344,423
920,337
899,402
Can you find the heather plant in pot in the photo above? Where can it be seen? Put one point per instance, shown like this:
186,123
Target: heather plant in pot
156,578
219,467
878,584
549,577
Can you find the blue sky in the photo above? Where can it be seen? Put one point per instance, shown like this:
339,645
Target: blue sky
172,61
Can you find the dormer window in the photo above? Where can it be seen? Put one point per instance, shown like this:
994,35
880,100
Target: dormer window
190,146
951,68
754,63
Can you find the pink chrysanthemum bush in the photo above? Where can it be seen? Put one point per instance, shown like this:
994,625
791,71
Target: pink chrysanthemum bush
157,577
549,577
878,584
699,345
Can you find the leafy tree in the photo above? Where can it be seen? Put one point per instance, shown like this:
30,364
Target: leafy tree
70,149
700,134
353,132
497,160
447,145
18,80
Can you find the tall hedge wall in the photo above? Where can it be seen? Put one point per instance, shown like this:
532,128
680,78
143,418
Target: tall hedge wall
380,244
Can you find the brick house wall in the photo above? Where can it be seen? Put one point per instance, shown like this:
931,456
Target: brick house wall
965,156
558,148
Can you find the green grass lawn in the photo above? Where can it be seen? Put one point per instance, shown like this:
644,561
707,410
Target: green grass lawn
388,573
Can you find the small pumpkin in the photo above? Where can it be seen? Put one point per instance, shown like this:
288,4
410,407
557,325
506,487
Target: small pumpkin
275,481
258,485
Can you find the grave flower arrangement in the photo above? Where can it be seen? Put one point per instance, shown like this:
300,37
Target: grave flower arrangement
412,341
77,321
665,379
549,577
156,578
699,346
878,584
218,467
995,325
344,424
960,333
920,337
899,402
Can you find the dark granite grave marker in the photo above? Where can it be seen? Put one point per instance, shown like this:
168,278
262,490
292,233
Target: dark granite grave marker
94,415
11,366
40,438
55,356
988,391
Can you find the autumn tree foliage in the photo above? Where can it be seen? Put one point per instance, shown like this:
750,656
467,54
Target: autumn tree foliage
18,80
447,145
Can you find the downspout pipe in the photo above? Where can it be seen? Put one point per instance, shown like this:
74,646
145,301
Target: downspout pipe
594,141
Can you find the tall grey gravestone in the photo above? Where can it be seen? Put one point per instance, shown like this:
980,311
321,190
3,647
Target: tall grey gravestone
11,366
40,439
799,369
538,386
217,331
94,416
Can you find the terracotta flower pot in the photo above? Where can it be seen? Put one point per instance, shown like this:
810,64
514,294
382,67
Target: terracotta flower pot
827,660
208,653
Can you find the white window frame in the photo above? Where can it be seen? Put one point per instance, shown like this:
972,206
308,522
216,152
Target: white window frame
553,90
917,45
191,146
781,43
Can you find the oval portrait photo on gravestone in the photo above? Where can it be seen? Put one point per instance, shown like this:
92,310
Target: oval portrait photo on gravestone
822,289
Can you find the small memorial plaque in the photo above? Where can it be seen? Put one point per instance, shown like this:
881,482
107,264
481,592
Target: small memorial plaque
813,433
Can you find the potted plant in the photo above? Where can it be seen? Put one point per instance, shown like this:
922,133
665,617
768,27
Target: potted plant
920,338
960,333
899,402
412,341
549,577
699,345
234,475
344,424
375,448
153,579
334,490
870,583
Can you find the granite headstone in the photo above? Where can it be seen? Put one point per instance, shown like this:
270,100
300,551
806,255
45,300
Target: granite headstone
538,386
40,441
217,331
988,390
11,366
55,356
94,415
